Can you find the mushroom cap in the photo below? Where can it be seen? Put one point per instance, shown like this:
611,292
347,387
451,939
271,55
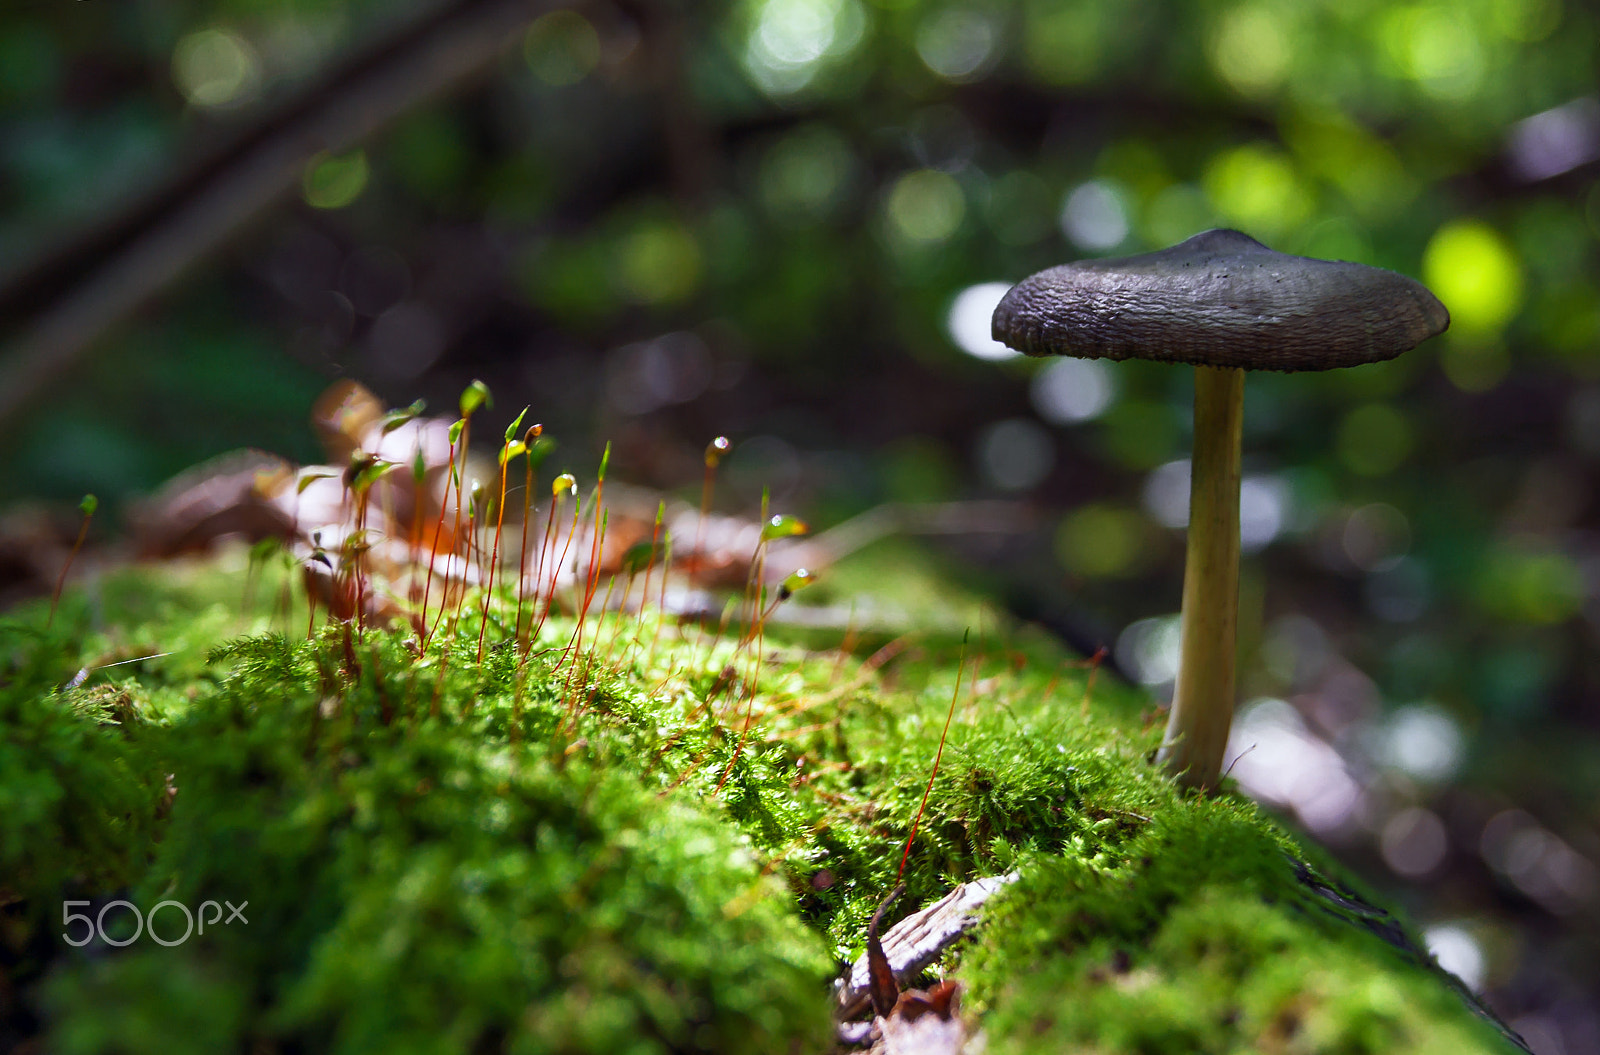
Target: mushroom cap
1220,299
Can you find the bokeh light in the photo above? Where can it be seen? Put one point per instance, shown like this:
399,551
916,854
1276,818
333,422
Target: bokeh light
924,208
957,43
332,182
215,67
1094,216
1015,454
1256,188
1070,390
969,317
1102,540
561,48
789,41
1475,272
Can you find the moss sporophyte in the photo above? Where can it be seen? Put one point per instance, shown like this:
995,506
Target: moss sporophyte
652,825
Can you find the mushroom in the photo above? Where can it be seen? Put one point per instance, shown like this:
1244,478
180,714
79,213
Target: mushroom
1226,304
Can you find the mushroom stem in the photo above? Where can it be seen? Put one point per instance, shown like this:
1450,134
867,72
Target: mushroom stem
1202,703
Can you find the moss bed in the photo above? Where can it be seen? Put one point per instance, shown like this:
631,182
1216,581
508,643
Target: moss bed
455,857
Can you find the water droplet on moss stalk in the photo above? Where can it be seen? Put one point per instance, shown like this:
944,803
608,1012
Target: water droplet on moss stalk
799,580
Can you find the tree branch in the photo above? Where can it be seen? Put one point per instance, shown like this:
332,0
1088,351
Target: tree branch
98,281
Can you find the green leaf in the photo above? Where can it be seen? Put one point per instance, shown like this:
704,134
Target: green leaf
88,506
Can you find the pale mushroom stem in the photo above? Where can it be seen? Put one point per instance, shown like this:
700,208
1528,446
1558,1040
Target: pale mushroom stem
1202,702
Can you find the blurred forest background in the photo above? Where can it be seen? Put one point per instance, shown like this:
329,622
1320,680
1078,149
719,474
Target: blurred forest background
787,221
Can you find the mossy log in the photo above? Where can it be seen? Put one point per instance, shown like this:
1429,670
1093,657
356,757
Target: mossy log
548,866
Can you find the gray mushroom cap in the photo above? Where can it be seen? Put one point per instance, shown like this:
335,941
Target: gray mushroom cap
1220,299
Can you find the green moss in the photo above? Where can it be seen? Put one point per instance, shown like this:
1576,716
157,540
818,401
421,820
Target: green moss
1204,937
621,849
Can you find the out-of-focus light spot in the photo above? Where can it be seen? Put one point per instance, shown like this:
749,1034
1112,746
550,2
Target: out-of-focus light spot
1094,216
405,340
1363,166
1376,536
1101,540
969,321
1072,390
1399,592
1538,862
1251,49
1413,842
789,39
213,67
672,368
1166,494
1295,651
561,48
332,182
658,263
1277,760
1475,366
1175,213
1458,952
1256,187
925,208
1015,454
1525,21
1423,742
1150,648
1477,275
805,174
1374,439
1529,583
1556,140
1438,47
1263,510
957,43
1019,208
